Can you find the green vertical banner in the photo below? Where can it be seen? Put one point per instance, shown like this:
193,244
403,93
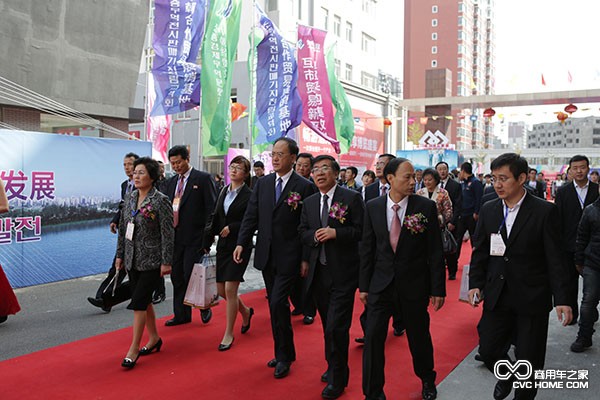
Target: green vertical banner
218,55
344,120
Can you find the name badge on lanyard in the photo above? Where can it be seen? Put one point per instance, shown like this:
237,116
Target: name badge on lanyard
129,231
497,246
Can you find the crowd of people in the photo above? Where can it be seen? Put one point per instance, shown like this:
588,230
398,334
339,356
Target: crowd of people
320,235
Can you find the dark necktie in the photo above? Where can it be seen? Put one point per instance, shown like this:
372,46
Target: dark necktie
383,190
278,189
442,185
324,220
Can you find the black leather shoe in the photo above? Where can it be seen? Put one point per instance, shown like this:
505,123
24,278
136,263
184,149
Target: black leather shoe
144,351
478,357
282,369
580,344
129,363
174,322
399,332
99,303
246,328
502,389
158,298
331,392
308,320
324,377
429,391
206,315
360,340
225,347
272,363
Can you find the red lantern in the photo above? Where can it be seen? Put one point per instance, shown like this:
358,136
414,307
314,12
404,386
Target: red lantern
571,108
561,116
489,112
387,122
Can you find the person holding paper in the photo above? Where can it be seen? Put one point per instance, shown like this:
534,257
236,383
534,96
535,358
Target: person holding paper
145,250
517,263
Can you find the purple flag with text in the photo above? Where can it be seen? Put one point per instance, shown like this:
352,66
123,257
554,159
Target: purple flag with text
178,32
313,84
278,105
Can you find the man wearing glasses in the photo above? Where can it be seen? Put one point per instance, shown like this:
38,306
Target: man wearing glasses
274,210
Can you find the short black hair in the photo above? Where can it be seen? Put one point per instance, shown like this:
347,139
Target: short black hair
370,173
434,174
532,170
332,162
292,145
259,164
179,150
487,176
151,166
418,170
467,167
594,172
444,163
579,157
516,164
392,166
129,155
388,155
353,169
307,155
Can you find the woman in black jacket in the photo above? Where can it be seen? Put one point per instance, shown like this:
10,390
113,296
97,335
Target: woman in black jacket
225,221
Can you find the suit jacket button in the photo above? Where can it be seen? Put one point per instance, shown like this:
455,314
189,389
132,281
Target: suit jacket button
506,259
501,277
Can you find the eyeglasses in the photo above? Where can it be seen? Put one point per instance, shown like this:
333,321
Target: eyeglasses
324,168
501,179
236,168
141,173
380,164
278,154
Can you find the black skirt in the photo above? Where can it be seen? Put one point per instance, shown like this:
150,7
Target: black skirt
143,284
227,269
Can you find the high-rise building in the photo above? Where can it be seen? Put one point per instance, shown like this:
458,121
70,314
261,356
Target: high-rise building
574,132
455,38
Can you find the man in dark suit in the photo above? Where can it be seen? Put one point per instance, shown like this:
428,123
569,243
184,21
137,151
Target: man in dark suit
274,209
259,172
193,196
401,267
331,227
571,199
518,264
535,184
472,192
455,191
106,301
374,190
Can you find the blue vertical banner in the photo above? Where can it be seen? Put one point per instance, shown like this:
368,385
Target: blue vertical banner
278,104
178,34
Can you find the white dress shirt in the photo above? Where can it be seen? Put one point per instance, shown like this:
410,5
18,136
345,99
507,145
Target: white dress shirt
390,211
284,178
582,192
512,214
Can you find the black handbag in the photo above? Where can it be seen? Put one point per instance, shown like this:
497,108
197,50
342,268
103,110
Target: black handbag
449,245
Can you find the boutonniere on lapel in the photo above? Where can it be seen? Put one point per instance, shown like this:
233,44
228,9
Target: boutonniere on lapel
293,200
148,212
338,211
415,223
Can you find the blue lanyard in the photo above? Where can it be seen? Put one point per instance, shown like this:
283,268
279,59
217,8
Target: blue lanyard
504,220
581,201
133,213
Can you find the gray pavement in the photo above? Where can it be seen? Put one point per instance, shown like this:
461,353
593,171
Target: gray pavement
59,313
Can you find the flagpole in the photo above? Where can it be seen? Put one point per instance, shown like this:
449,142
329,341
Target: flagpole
200,147
252,99
147,52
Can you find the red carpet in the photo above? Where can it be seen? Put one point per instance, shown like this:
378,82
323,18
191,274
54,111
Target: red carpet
190,367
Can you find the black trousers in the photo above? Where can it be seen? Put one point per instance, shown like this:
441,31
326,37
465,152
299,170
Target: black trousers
504,324
301,299
184,258
572,284
416,319
465,223
335,305
279,287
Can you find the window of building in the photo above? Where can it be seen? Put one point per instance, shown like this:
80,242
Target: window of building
596,131
367,80
325,18
349,32
348,72
433,63
461,49
461,35
461,7
368,44
461,21
338,67
433,49
434,9
434,22
595,141
434,36
337,23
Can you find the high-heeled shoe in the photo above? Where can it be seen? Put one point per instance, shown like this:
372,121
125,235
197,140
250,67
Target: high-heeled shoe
129,363
225,347
246,328
144,351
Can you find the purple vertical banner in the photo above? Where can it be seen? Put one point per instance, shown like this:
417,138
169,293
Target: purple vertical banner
313,84
278,104
178,33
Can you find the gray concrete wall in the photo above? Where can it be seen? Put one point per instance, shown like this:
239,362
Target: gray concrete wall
82,53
